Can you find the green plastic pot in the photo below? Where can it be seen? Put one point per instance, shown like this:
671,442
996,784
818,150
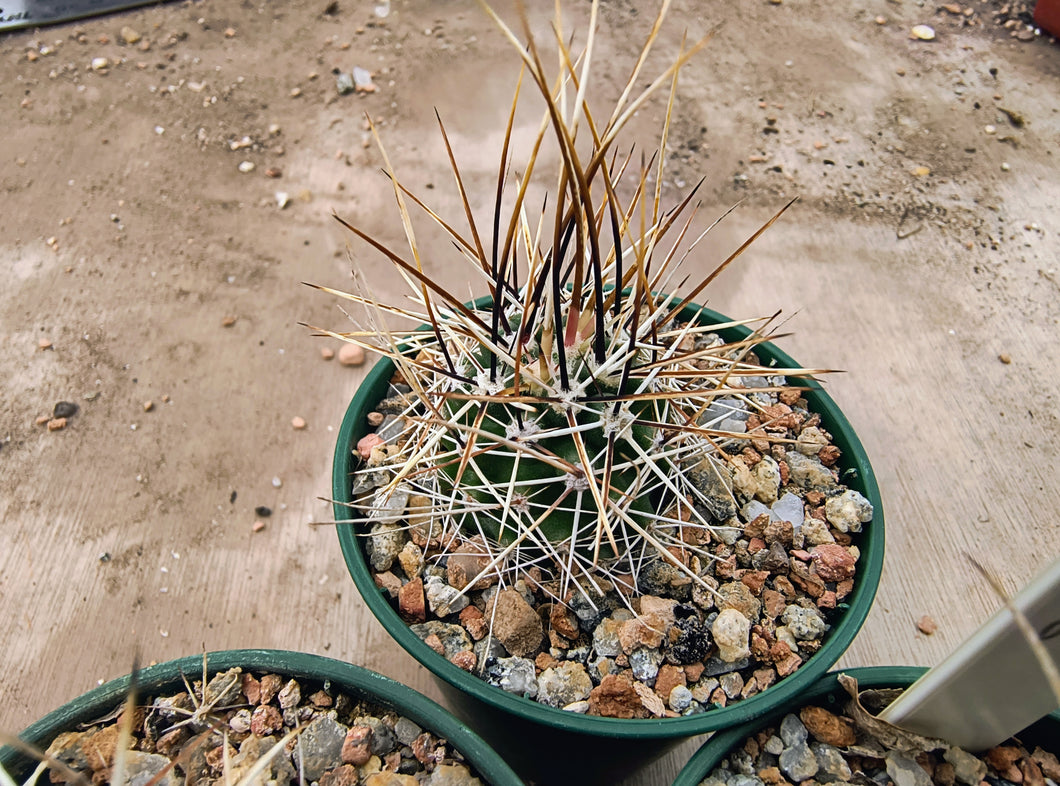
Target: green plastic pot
358,682
603,750
827,692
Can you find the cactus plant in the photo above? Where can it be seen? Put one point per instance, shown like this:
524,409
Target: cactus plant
569,420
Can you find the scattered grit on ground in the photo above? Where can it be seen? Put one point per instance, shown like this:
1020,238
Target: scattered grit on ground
219,735
817,746
774,572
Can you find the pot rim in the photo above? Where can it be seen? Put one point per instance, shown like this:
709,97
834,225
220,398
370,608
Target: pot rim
357,680
844,629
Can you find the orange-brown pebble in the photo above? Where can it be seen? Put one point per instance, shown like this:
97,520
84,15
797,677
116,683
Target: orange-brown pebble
375,418
228,321
327,353
926,625
55,424
258,526
351,355
148,406
44,343
298,423
366,443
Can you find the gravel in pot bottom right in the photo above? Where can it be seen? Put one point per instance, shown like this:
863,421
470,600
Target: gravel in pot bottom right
827,737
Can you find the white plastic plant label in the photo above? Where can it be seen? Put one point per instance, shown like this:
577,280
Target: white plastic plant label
32,13
994,684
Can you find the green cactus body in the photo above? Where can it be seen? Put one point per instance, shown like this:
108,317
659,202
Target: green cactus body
520,451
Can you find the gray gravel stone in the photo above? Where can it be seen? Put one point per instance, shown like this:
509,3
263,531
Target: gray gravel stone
804,623
383,738
905,771
406,731
792,730
969,769
798,762
442,598
808,473
514,675
320,746
645,662
453,637
831,766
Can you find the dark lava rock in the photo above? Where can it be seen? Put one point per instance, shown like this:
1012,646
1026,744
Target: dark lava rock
693,640
65,409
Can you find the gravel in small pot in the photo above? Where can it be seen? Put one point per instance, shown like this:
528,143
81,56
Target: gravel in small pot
823,736
293,715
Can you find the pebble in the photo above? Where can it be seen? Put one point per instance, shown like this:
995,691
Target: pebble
142,768
808,473
246,166
228,321
257,526
827,727
298,423
384,544
798,762
564,684
922,33
452,638
366,443
680,698
442,599
926,625
968,769
905,771
351,355
515,623
731,631
56,424
831,766
100,63
64,409
129,35
320,746
514,675
848,511
1005,358
327,353
615,697
44,344
792,730
805,623
833,562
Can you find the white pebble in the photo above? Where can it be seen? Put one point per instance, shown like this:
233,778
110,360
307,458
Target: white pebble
246,166
276,483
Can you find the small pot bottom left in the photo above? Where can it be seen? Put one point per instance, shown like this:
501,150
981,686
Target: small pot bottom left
287,716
